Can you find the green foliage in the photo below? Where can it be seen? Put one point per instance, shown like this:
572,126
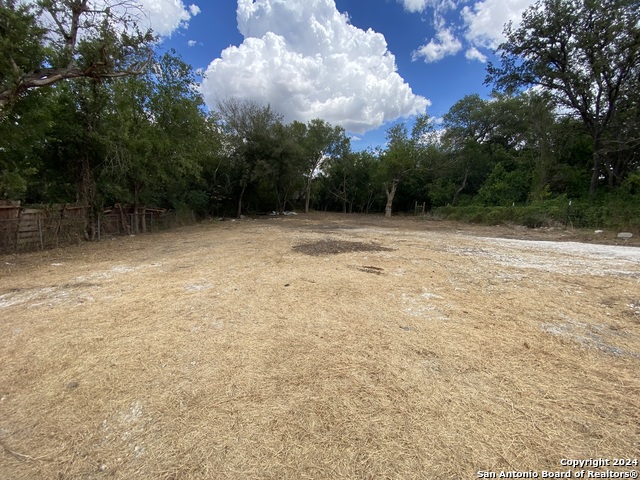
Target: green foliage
49,41
631,187
405,156
587,54
532,216
158,137
146,139
559,212
21,42
13,182
441,191
349,182
504,187
319,141
22,135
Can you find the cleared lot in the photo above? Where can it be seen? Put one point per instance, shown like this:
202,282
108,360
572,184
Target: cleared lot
319,346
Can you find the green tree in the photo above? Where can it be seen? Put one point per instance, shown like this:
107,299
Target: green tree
348,176
49,41
403,155
584,52
23,135
279,168
321,141
622,146
541,138
505,187
248,128
367,193
157,135
468,127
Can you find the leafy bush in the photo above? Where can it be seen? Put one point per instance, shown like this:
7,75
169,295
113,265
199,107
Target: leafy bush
503,187
609,212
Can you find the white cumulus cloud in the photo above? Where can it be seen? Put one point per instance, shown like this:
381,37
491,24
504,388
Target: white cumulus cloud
474,54
485,21
440,6
167,16
480,26
307,61
415,5
443,45
163,16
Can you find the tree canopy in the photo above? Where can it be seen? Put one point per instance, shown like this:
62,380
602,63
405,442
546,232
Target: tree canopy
132,127
584,52
48,41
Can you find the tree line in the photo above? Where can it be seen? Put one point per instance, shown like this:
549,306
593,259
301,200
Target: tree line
90,113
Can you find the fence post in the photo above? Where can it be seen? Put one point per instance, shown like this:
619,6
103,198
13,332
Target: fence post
17,235
567,220
40,233
143,223
98,222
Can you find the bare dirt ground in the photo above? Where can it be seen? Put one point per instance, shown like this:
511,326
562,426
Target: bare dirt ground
319,346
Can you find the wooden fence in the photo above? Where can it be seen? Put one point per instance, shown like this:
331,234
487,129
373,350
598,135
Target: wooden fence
24,229
27,228
125,220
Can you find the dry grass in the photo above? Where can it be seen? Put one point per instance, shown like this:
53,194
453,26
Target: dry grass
219,351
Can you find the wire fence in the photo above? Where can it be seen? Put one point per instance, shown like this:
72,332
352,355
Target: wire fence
26,229
30,229
125,223
548,214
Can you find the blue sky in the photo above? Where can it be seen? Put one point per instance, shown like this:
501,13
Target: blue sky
361,64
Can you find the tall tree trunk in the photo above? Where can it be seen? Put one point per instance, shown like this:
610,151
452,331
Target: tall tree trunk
454,201
544,165
307,198
391,192
597,166
86,193
369,203
135,221
285,198
240,201
279,203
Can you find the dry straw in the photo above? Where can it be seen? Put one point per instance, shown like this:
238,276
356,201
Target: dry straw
221,351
